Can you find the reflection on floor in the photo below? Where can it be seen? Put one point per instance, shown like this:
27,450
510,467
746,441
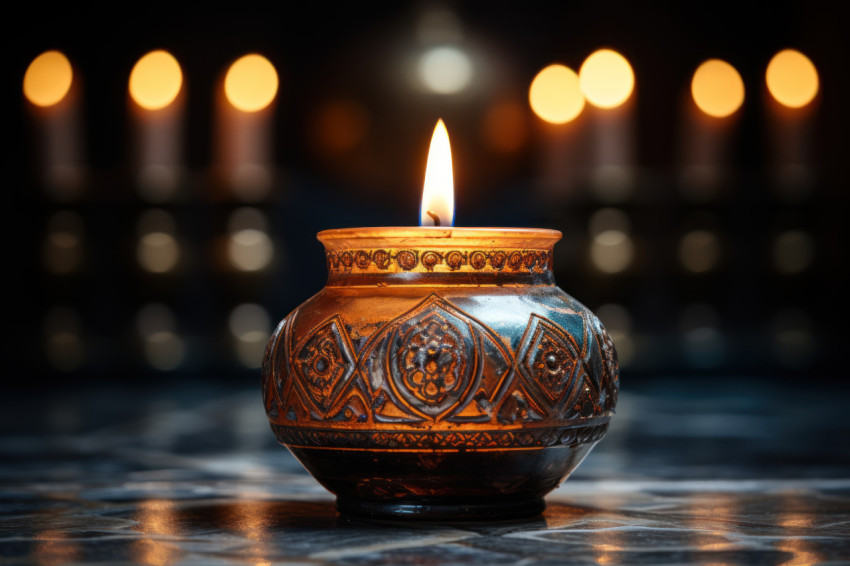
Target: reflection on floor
709,472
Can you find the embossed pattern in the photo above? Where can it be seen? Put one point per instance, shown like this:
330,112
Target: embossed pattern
528,261
437,364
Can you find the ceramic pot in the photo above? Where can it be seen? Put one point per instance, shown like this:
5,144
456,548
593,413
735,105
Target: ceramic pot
440,374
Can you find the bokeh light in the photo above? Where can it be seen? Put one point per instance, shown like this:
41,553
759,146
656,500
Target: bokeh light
612,251
157,249
445,70
606,78
249,247
555,95
250,326
163,348
792,78
251,83
62,252
699,251
155,80
717,88
504,127
340,126
48,79
63,339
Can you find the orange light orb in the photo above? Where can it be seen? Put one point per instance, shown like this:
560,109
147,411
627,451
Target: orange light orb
48,79
155,80
251,83
555,95
792,79
606,78
717,88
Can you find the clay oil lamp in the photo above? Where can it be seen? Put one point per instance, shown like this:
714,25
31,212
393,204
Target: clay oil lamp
440,374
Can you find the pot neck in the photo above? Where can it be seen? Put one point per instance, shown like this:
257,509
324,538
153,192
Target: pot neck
439,256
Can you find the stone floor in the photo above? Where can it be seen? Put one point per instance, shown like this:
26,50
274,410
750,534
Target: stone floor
692,471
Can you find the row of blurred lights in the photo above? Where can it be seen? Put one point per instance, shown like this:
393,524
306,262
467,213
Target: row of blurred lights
249,248
557,94
703,343
246,248
163,348
250,84
606,80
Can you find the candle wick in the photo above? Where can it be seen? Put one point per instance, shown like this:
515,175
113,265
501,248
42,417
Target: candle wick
434,216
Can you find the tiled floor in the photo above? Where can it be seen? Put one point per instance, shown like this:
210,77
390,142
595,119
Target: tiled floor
720,472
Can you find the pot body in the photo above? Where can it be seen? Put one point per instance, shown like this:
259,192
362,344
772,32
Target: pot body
440,378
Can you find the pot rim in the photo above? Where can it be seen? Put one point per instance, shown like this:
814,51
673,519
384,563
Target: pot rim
438,237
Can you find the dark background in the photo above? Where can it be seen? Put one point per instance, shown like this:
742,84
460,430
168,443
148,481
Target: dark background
759,321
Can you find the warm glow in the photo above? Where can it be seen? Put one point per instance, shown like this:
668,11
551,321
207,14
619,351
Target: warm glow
555,95
251,83
438,194
792,78
445,70
717,88
606,79
48,79
155,80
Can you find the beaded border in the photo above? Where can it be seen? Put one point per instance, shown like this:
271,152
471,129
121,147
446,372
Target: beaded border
537,261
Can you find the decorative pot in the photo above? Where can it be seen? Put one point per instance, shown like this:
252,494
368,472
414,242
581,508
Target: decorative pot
440,374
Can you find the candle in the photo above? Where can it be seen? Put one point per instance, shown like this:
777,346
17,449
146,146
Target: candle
155,89
792,83
52,90
717,93
440,373
244,121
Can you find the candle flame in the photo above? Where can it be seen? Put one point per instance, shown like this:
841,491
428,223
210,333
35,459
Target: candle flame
438,207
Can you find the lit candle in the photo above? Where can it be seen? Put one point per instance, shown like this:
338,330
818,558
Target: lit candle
792,83
245,127
52,90
155,88
440,373
717,94
607,81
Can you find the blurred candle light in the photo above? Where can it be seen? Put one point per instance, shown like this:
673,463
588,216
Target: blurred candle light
717,94
51,88
157,249
717,88
611,247
249,247
556,98
163,348
155,86
793,84
445,70
438,194
250,87
62,252
555,95
792,79
607,81
250,326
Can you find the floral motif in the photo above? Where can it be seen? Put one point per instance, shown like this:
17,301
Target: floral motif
430,363
325,364
406,259
478,260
